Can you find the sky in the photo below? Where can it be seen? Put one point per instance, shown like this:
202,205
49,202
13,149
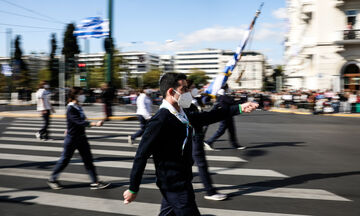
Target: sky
155,26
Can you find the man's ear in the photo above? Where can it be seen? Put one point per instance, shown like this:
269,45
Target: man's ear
170,92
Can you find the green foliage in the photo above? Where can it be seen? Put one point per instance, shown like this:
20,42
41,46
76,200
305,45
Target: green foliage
70,48
21,74
151,78
53,63
3,83
97,77
44,74
199,77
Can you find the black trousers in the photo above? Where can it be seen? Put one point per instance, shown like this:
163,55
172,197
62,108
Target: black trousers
180,203
226,124
44,133
140,132
108,109
72,143
200,160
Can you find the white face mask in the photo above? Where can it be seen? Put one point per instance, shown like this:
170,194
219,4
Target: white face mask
81,98
194,92
46,86
184,100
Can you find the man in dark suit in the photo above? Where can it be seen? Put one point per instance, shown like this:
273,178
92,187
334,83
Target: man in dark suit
224,101
168,138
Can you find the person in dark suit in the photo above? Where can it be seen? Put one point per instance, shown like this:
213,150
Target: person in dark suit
224,101
199,155
76,139
168,138
108,95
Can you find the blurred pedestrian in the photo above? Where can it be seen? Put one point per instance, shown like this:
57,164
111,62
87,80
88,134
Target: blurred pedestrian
143,103
76,139
107,95
44,106
198,151
168,138
224,101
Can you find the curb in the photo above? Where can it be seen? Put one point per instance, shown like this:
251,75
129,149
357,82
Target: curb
15,115
308,113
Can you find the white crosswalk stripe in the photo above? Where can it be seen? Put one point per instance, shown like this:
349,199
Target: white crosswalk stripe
295,193
97,130
149,166
106,152
19,136
111,205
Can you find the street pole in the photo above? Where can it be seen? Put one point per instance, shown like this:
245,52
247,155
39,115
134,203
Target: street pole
109,50
61,83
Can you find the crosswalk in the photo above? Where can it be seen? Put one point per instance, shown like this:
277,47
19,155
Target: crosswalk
113,157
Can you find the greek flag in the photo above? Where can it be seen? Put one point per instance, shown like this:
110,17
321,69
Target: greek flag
92,27
222,78
6,70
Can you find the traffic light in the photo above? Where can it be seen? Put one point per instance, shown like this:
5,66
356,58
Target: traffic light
82,78
81,67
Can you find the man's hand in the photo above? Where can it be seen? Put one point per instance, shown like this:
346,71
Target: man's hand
99,123
248,107
128,197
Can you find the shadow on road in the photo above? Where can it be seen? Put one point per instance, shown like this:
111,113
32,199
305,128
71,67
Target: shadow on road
272,184
275,144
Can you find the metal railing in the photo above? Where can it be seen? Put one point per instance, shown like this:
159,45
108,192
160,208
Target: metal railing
351,34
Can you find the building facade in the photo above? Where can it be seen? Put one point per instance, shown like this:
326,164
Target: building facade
322,46
213,61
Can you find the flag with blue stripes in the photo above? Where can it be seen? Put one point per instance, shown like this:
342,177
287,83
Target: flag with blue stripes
222,78
92,27
6,70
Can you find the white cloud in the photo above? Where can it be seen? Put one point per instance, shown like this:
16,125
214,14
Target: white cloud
280,13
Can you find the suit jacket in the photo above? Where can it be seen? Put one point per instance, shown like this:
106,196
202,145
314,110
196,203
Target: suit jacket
163,138
76,121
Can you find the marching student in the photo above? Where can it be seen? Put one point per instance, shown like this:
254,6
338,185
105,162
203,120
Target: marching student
44,106
76,139
198,152
143,111
224,101
168,138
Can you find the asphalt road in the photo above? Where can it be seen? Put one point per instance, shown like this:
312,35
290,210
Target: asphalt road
294,165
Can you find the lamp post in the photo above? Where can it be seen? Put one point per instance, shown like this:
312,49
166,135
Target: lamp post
109,46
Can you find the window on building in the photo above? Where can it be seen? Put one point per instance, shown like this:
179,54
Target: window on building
351,17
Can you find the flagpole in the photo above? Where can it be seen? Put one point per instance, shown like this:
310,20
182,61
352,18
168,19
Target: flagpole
110,44
251,27
222,78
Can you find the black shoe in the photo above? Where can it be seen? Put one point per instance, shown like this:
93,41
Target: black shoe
54,185
99,185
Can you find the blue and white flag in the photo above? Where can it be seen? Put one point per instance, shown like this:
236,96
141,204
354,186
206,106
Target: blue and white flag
6,70
92,27
222,78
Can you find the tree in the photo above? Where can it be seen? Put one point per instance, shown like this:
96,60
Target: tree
44,74
70,48
21,74
151,78
53,63
199,77
97,77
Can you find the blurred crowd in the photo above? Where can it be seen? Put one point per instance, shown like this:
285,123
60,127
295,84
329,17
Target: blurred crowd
317,102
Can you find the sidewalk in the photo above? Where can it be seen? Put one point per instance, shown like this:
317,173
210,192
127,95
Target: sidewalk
308,112
93,112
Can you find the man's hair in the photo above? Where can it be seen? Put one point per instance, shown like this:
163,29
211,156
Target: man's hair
42,83
74,92
170,80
